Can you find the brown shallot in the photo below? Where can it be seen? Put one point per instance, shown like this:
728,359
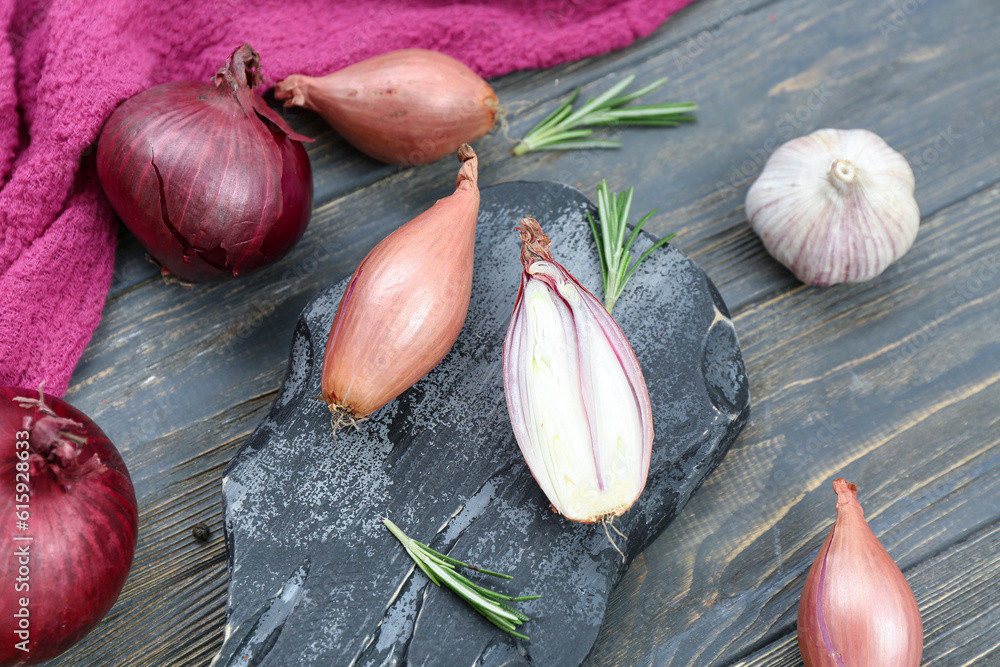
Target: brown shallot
406,107
405,305
857,609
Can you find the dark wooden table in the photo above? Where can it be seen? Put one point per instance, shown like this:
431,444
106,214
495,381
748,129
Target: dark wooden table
893,384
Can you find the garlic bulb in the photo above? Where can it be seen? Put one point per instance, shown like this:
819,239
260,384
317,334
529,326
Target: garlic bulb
835,206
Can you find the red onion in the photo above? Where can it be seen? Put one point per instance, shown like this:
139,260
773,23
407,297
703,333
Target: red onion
577,399
406,107
211,181
405,304
68,523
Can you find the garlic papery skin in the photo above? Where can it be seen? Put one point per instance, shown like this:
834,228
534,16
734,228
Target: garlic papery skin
835,206
575,392
856,608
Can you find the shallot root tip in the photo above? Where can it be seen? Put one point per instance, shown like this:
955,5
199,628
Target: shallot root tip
342,417
841,485
605,522
535,244
501,126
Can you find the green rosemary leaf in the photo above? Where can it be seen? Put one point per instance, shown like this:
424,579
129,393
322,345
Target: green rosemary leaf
648,122
477,600
600,248
646,254
613,249
560,112
481,570
624,208
569,134
625,99
638,228
440,569
517,612
420,563
559,130
639,113
507,626
672,108
598,102
580,145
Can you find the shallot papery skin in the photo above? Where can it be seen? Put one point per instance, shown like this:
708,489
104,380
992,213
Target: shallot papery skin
211,181
576,395
856,608
69,530
405,305
835,206
406,107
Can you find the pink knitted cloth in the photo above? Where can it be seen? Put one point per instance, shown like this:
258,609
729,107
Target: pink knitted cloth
66,64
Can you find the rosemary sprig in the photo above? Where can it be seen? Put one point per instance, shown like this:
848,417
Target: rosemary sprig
615,252
559,130
440,568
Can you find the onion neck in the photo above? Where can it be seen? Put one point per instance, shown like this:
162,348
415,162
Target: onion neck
236,80
241,70
847,495
468,174
55,444
535,245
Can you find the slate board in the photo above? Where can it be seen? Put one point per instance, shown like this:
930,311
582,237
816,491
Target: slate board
315,578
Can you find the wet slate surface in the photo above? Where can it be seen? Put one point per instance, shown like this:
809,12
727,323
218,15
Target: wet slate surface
315,579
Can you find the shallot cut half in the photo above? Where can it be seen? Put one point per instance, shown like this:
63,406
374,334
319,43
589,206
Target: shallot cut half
575,392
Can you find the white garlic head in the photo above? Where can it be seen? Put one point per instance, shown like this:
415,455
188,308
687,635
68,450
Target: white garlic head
835,206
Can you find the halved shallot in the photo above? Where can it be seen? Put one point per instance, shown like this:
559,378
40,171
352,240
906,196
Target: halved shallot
575,392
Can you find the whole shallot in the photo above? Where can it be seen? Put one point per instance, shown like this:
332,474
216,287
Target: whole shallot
405,107
405,304
856,607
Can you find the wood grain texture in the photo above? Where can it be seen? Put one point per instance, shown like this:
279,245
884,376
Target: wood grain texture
882,383
892,383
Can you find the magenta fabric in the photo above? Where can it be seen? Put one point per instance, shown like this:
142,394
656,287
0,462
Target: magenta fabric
66,64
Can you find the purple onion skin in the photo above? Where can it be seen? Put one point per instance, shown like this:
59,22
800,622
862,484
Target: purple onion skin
211,181
83,539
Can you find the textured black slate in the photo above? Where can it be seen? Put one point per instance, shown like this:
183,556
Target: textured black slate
315,579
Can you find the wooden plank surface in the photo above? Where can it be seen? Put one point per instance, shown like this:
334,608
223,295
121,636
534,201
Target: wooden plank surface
891,383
